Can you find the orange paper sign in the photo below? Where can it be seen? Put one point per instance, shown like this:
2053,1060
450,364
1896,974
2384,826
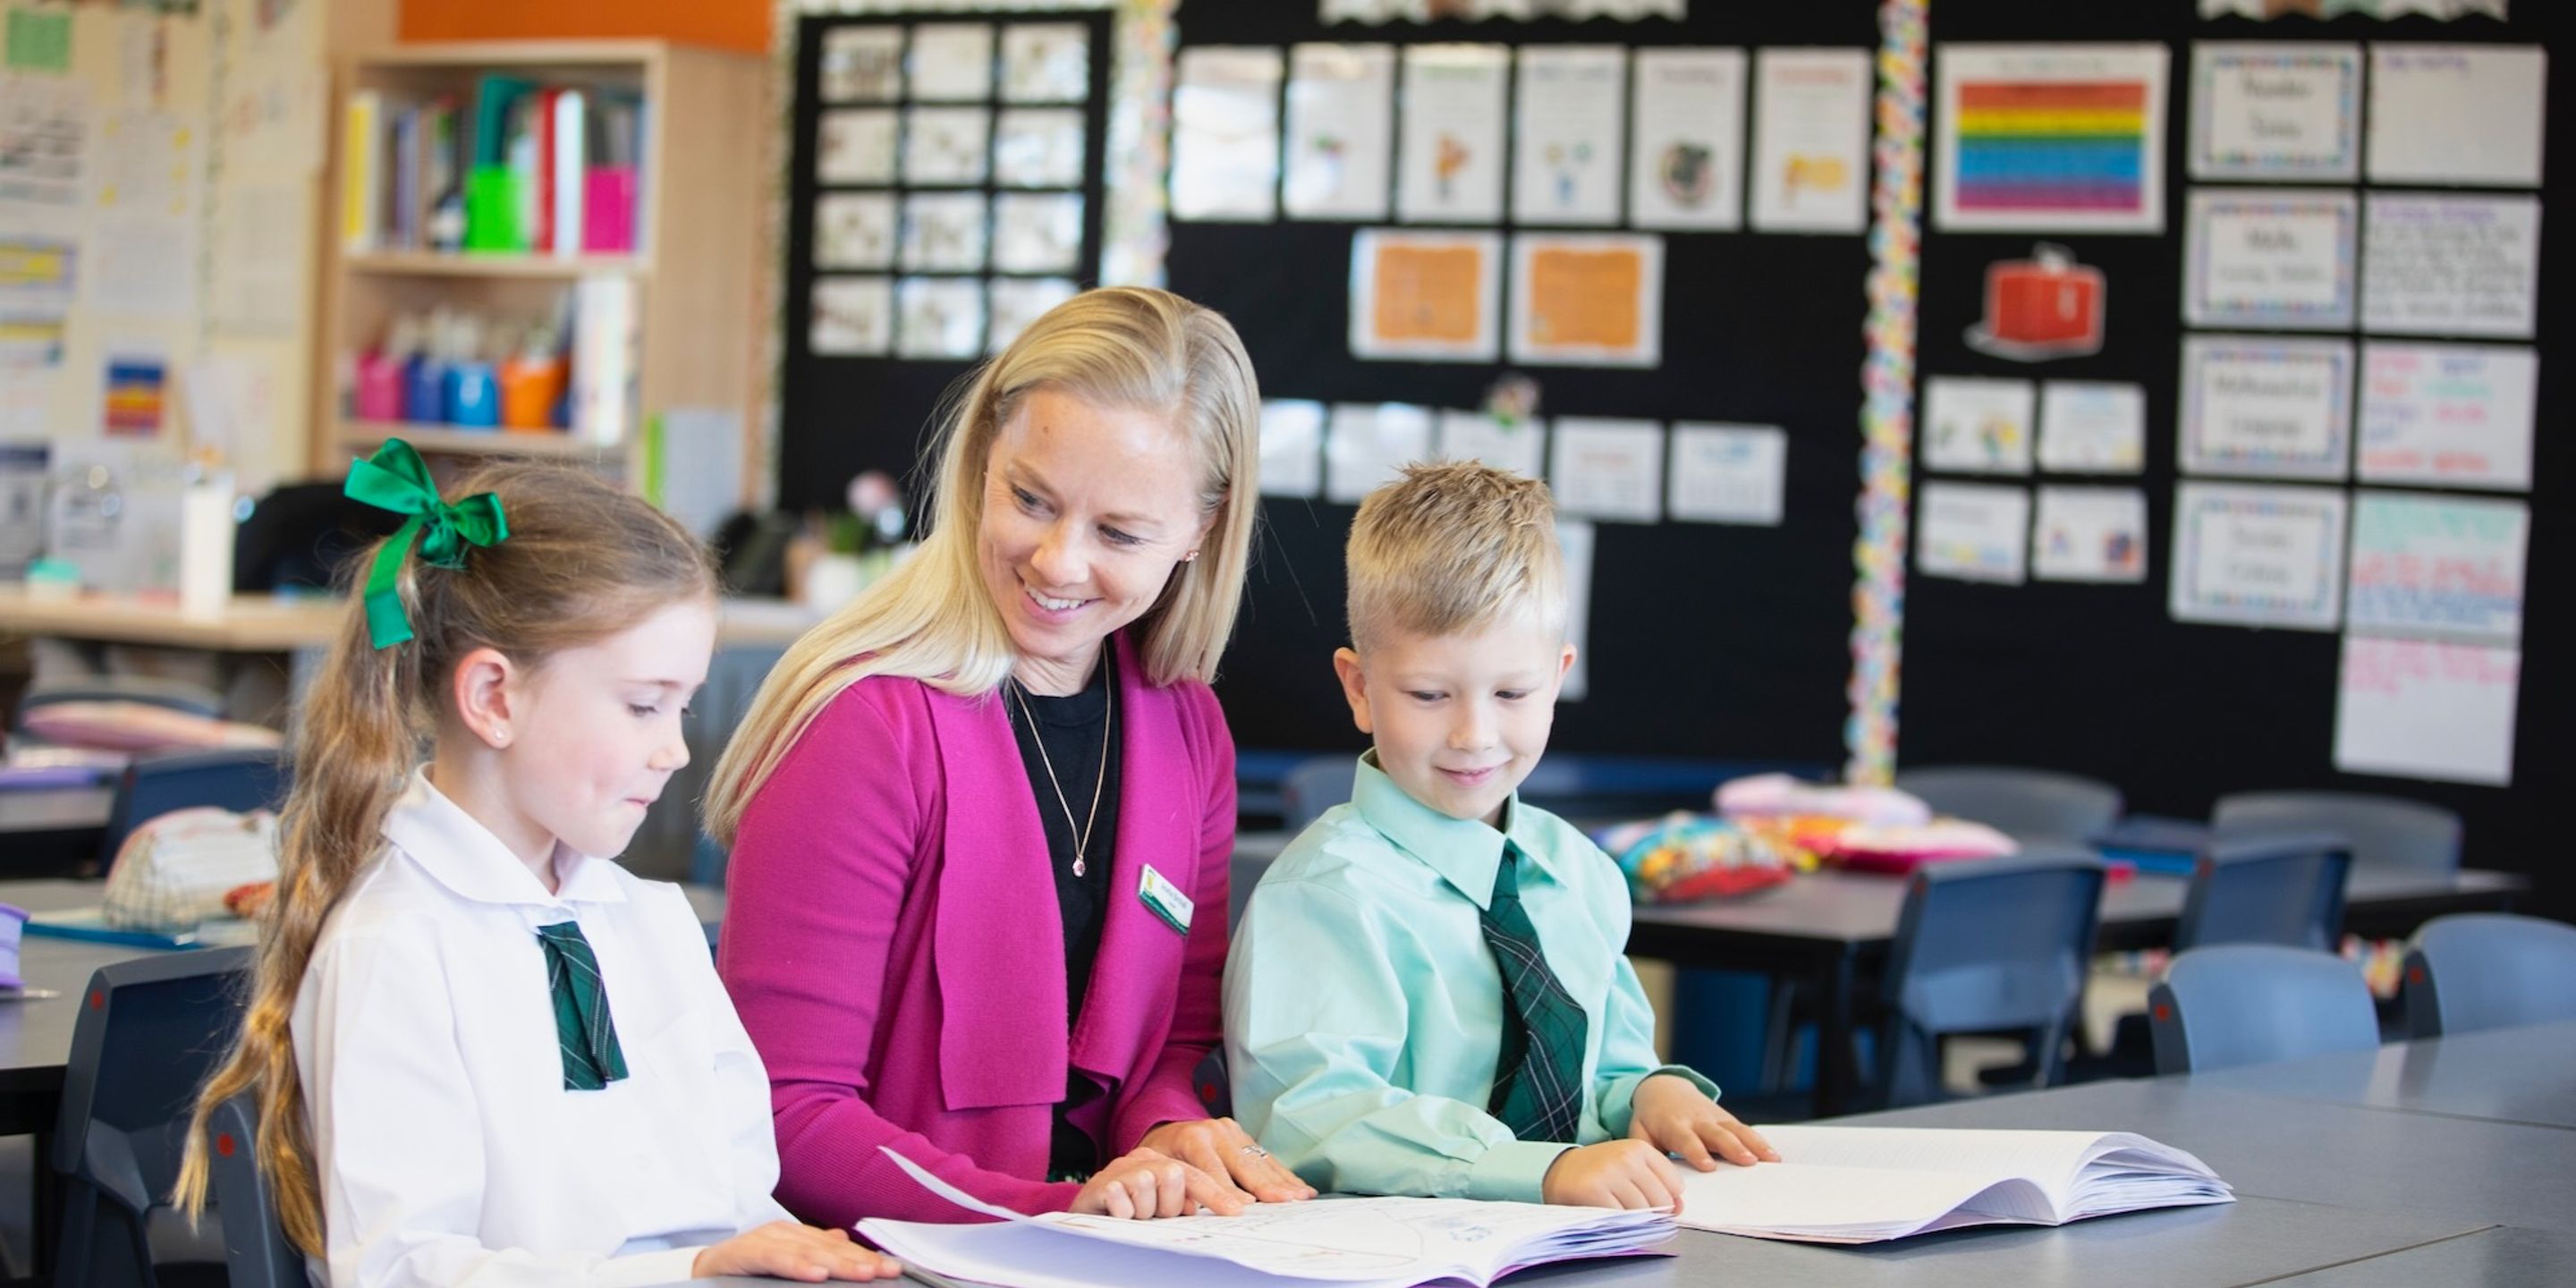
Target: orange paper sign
1585,297
1429,293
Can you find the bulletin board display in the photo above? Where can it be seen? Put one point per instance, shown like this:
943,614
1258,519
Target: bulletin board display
944,188
1712,632
2231,466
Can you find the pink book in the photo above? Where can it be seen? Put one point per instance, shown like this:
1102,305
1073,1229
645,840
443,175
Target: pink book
608,210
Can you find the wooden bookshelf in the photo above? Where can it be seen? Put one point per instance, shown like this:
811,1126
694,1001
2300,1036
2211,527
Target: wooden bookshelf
695,268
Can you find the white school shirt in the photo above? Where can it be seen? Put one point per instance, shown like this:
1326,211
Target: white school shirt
448,1150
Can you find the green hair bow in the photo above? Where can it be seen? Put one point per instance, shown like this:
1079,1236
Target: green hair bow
395,479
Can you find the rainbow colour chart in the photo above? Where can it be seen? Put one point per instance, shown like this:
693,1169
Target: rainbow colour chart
2043,138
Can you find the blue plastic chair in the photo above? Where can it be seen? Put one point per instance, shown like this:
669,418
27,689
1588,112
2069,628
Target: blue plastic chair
233,778
2276,890
1316,785
1987,946
256,1250
2383,831
2237,1004
150,1031
2037,804
2489,970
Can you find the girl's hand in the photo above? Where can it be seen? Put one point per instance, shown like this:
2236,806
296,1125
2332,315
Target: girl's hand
786,1250
1149,1183
1220,1148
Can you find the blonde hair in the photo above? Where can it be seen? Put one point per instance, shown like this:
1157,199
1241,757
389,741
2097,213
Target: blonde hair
582,561
1453,546
932,619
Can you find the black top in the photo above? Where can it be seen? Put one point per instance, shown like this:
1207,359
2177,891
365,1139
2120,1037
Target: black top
1071,732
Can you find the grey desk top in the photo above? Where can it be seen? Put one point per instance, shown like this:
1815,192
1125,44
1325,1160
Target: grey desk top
2500,1257
1858,909
2523,1075
2458,1169
55,809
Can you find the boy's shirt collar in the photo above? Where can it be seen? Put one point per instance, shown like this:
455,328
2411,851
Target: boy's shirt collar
1464,851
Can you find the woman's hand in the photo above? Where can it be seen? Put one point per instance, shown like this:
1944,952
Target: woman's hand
786,1250
1221,1148
1148,1183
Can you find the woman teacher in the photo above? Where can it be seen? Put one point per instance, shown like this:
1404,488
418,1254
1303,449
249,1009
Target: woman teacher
981,818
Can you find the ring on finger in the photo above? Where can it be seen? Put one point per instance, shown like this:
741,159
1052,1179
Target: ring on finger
1256,1151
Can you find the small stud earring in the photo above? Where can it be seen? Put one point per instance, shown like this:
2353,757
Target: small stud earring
1191,557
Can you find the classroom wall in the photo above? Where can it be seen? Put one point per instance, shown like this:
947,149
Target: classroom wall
723,24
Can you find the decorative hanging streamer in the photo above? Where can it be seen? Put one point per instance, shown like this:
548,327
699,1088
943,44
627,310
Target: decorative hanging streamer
1887,378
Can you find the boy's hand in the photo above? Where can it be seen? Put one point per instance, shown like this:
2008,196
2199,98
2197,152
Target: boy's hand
1613,1174
1676,1117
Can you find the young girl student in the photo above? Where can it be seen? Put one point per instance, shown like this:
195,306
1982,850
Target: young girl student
483,1052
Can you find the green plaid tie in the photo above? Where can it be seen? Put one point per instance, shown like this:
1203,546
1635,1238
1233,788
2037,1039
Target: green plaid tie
1538,1081
583,1029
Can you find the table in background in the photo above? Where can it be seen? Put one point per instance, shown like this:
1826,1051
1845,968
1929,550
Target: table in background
1833,928
47,830
2516,1075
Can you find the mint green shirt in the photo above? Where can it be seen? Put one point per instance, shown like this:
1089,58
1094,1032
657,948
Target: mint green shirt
1364,1012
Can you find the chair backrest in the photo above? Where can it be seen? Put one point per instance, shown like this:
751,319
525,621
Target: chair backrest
2488,970
1985,945
2040,803
1314,786
2277,890
150,1031
2383,831
256,1250
234,778
2235,1004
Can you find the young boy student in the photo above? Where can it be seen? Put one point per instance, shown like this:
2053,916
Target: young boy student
1427,994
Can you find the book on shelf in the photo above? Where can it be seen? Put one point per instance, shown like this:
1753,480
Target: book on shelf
606,325
1378,1242
551,170
362,172
1870,1184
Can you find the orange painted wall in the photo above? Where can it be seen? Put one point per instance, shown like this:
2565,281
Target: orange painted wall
724,24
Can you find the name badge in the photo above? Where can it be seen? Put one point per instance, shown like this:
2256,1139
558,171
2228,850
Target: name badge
1165,899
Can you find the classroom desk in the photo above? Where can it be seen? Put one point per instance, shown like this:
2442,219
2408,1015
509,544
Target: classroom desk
1832,928
51,829
2500,1257
2516,1075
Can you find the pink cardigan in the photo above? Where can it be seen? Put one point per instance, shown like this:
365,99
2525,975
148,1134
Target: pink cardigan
892,943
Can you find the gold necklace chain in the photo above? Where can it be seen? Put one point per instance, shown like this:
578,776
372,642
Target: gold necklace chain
1108,719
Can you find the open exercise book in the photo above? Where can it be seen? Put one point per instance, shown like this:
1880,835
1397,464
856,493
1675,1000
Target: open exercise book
1865,1184
1356,1243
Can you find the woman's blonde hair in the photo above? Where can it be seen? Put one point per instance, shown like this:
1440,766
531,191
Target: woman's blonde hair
582,562
932,620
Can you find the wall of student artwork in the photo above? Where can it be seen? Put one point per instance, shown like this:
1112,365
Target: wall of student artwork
2228,470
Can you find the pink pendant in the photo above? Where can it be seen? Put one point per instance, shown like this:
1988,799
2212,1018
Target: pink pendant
1077,865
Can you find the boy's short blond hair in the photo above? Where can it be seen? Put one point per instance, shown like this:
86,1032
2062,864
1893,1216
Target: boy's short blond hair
1451,547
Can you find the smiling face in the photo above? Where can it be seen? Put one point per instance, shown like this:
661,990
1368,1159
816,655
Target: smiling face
1459,719
601,731
1087,510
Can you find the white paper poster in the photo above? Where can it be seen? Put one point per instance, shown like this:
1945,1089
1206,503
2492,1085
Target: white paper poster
939,317
1518,446
2258,556
1568,124
2451,265
1587,299
1973,532
1015,302
2452,414
1977,426
854,230
1450,155
862,64
1686,168
952,62
2457,114
2431,565
853,317
2266,408
1046,62
1341,131
1292,447
1432,296
946,145
1038,147
1225,134
2092,427
856,145
1607,468
2421,709
2282,111
1037,232
1367,443
2271,257
1729,474
943,232
2094,534
1811,140
2050,138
